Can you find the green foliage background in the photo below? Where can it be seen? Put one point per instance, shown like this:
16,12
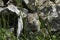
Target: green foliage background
42,35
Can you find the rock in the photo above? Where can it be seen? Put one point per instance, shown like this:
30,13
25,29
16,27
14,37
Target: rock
31,5
42,3
26,1
51,11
